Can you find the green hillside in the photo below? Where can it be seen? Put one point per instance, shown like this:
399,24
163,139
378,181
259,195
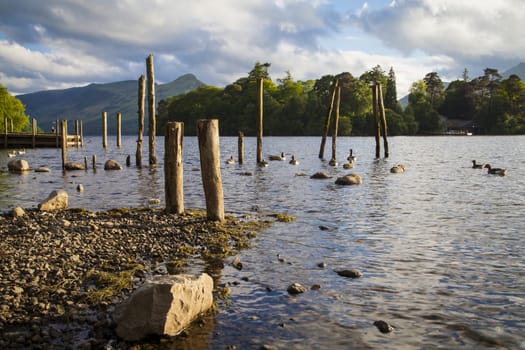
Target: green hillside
87,103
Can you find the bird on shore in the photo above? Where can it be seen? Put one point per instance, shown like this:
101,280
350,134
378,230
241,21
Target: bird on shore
293,161
230,160
495,171
280,157
400,168
477,165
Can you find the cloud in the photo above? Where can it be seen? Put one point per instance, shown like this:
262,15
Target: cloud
60,43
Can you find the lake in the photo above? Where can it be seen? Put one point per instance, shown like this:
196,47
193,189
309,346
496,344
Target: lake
441,247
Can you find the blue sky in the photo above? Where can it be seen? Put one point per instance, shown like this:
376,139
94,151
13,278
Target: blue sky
56,44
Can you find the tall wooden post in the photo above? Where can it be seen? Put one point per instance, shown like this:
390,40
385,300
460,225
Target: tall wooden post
383,118
335,85
240,147
259,120
5,132
94,163
208,135
77,135
151,110
173,169
81,134
376,120
104,129
119,137
333,160
57,132
63,132
141,96
33,132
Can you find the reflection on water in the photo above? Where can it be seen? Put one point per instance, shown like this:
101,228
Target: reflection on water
440,246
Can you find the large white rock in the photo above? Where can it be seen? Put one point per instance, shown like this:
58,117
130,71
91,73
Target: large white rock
164,305
18,165
56,200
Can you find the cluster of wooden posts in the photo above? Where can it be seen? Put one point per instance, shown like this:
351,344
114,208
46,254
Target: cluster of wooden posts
378,108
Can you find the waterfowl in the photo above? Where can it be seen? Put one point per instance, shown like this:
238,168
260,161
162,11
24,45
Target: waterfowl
477,165
293,161
11,154
333,162
281,157
22,151
400,168
351,157
263,163
230,160
348,165
495,171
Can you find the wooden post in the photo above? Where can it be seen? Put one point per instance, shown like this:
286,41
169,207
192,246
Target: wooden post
94,162
81,134
5,132
63,132
77,135
12,125
376,120
141,96
383,118
104,130
33,132
119,136
335,85
259,119
57,132
151,110
86,162
240,147
208,136
333,160
173,169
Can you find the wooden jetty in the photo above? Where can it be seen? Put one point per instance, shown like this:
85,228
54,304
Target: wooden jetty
40,140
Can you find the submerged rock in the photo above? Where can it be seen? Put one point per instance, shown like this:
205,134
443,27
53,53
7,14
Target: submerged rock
383,326
348,180
296,288
18,165
74,166
112,165
350,273
320,175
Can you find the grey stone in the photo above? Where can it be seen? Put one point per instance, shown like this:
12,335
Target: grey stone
57,200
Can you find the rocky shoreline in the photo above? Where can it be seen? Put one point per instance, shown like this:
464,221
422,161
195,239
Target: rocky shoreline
62,272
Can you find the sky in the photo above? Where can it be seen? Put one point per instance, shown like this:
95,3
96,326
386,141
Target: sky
57,44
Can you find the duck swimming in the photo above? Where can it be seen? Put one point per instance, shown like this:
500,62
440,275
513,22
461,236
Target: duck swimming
400,168
230,160
351,156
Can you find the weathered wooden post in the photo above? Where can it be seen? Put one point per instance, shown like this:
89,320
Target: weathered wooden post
63,132
173,168
151,110
333,160
259,120
119,136
77,135
376,119
86,162
94,162
240,147
57,133
141,96
33,132
5,132
104,130
81,134
208,135
383,118
327,120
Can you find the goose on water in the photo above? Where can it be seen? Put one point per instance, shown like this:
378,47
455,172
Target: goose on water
477,165
351,156
495,171
281,157
400,168
293,161
230,160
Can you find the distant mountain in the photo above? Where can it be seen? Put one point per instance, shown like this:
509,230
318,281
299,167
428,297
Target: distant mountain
87,104
518,70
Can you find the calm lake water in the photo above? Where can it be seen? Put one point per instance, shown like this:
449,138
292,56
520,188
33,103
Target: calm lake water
441,246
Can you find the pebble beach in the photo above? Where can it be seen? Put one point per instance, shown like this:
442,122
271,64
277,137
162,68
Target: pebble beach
62,272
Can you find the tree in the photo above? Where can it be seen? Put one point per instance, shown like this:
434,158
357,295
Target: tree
435,89
391,101
12,109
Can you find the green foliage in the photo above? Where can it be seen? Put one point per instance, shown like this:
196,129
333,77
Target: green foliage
12,109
